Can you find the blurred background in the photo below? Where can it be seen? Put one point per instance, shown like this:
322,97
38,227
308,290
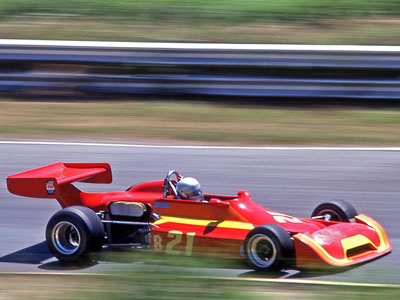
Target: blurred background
244,94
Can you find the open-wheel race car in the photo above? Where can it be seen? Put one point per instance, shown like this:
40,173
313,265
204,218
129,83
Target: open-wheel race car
156,214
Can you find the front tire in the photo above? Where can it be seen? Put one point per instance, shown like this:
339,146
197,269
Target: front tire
268,248
73,232
335,210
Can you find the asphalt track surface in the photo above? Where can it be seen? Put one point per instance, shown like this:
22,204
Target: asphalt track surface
288,180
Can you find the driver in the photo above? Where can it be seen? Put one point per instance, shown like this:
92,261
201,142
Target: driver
189,188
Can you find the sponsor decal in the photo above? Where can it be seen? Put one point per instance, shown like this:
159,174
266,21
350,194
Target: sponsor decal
50,187
161,204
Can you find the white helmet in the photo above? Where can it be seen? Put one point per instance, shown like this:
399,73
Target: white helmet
189,188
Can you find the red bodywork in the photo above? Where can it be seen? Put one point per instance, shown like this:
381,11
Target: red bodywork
218,226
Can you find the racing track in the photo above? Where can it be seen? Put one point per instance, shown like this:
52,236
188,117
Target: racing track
289,180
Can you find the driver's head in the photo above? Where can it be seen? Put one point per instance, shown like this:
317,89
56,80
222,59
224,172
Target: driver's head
189,188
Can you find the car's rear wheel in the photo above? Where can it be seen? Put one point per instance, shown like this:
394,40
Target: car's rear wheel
335,210
268,248
73,232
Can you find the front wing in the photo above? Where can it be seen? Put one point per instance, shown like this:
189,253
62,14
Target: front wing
342,244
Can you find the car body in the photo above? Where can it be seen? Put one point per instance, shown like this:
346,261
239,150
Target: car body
151,214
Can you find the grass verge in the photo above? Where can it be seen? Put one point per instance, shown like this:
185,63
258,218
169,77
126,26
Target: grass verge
256,21
352,31
206,10
199,122
150,282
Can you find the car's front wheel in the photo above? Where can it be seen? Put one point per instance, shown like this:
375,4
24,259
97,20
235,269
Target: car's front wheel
268,248
335,210
73,232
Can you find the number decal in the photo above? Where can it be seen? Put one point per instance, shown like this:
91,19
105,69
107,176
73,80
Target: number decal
189,243
284,219
177,237
170,247
281,218
157,243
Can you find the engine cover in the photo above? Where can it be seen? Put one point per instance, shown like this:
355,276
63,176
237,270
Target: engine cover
128,209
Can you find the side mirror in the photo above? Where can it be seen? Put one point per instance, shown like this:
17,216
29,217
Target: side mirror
218,202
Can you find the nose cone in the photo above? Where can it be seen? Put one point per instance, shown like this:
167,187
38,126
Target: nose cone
342,244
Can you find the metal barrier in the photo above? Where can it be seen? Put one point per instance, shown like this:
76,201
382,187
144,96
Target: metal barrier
46,67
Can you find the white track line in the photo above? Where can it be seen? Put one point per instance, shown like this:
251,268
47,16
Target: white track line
118,145
198,46
51,273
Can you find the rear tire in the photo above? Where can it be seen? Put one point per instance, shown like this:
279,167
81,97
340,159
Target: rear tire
335,210
73,232
268,248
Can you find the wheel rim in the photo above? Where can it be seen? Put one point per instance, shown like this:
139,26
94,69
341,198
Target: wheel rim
261,250
330,215
66,238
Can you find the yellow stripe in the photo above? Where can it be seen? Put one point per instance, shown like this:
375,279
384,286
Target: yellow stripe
203,222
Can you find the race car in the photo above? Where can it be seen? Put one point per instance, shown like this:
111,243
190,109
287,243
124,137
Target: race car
153,214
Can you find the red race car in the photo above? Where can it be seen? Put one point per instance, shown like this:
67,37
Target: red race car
173,216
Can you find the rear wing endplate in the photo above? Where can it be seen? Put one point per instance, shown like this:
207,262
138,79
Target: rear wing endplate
45,182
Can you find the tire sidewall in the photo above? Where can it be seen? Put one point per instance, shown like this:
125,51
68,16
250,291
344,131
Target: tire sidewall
282,243
87,223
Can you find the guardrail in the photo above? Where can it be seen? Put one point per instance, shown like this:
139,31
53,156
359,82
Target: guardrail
52,67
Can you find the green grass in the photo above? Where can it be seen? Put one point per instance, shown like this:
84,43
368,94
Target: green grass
146,281
206,10
322,31
199,122
257,21
144,275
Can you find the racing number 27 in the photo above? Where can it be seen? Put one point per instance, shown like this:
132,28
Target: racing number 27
175,242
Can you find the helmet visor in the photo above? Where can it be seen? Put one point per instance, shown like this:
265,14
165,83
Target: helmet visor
195,195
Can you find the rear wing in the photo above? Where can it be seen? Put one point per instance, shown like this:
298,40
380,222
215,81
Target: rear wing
45,182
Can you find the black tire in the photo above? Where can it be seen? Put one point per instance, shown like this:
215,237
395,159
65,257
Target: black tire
335,210
73,232
268,248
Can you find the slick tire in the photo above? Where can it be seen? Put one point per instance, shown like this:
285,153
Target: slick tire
335,210
268,248
73,232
